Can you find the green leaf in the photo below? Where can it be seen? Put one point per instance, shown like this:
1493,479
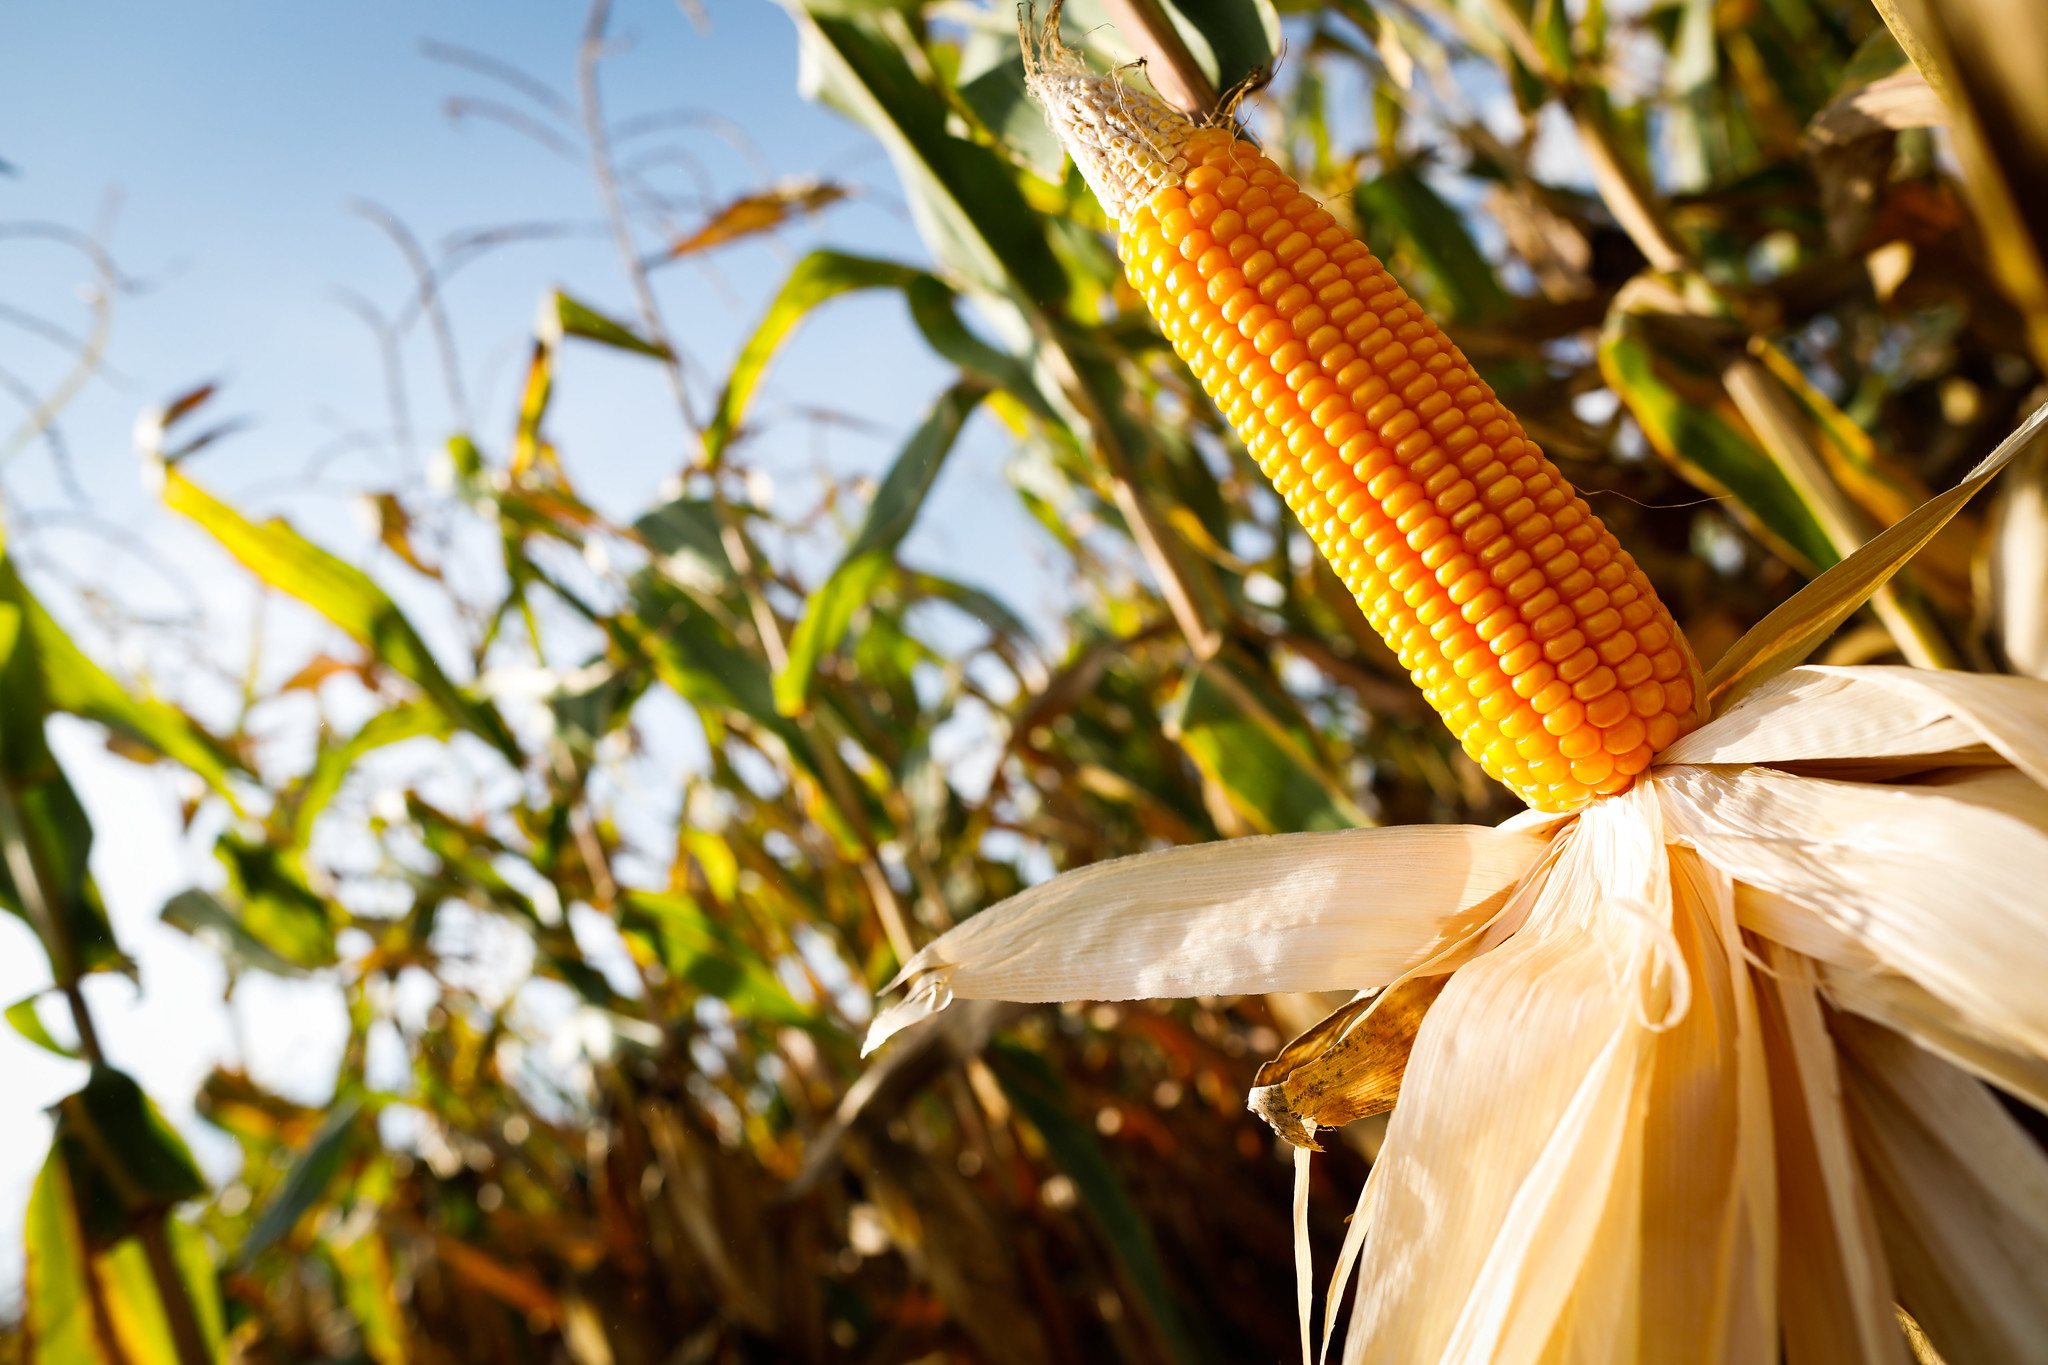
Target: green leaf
123,1159
342,593
690,544
135,1308
570,318
1432,232
827,616
1274,780
984,607
406,720
582,718
56,1302
29,1024
991,82
1233,38
270,898
74,684
313,1170
1674,392
700,950
890,516
65,1275
935,309
1035,1088
967,208
206,919
819,276
45,837
693,655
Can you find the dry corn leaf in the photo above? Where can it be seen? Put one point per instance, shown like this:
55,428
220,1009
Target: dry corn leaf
1783,639
1289,912
1960,1194
1890,866
762,211
1348,1066
1899,1004
1525,1094
1835,1288
2018,564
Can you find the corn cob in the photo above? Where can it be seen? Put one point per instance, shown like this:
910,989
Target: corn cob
1531,631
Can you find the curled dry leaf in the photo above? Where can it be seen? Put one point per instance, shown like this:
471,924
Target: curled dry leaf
762,211
1347,1067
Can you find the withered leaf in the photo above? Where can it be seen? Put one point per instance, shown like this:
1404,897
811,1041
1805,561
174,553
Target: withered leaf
1347,1067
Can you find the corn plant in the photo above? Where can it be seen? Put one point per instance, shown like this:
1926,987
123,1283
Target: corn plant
1746,311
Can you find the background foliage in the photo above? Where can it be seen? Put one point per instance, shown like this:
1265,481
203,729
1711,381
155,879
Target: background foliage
1754,284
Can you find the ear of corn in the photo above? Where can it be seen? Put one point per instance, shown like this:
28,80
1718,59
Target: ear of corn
1535,636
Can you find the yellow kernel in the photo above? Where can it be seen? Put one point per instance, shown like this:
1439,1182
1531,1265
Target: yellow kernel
1538,640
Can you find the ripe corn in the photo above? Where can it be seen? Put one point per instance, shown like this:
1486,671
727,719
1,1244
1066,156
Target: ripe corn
1533,634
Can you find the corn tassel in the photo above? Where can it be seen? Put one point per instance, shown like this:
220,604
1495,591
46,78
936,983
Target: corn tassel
1531,631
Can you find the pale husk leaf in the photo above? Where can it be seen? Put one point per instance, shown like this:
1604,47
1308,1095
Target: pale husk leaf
1521,1109
1784,638
1853,979
1835,1294
1709,1197
2018,565
1343,910
1895,1002
1784,920
1942,884
2009,714
1961,1199
1812,714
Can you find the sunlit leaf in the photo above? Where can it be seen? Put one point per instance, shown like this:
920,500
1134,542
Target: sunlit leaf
312,1171
819,276
370,1290
123,1160
45,838
984,607
686,537
991,81
1788,635
1674,392
269,897
1433,234
88,1307
703,952
29,1024
968,209
760,212
1239,733
74,684
57,1302
206,919
1240,36
342,593
890,516
403,721
571,318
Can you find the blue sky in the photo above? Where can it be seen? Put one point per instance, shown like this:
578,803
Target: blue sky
235,136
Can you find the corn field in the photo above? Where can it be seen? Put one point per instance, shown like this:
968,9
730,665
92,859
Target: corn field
1760,276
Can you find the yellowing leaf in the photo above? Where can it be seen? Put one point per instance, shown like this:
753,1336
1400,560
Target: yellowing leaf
342,593
762,211
1783,639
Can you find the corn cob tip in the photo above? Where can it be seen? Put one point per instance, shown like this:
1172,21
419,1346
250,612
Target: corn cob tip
1128,143
1532,632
